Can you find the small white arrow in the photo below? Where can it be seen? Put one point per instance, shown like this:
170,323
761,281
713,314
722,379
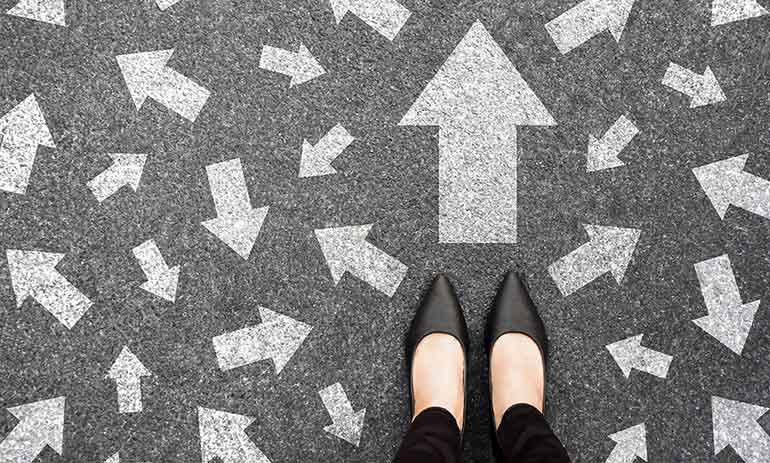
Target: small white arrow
277,338
588,19
165,4
126,169
726,183
300,66
161,279
347,423
41,425
728,11
147,75
237,223
47,11
22,130
702,89
735,425
609,250
317,160
127,372
630,443
387,17
346,250
729,319
629,355
34,274
223,436
603,154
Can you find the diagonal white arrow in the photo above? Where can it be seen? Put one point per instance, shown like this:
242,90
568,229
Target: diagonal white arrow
629,444
702,89
347,423
22,130
237,224
223,436
317,160
127,372
126,169
41,425
603,154
588,19
729,320
148,75
47,11
300,66
729,11
387,17
629,354
736,425
725,182
277,338
165,4
161,279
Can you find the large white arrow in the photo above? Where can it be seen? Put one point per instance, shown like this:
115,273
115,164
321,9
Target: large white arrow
237,223
725,183
22,130
603,154
629,354
347,424
384,16
148,75
161,279
34,274
223,436
477,99
41,425
588,19
702,89
609,250
346,250
317,160
735,425
47,11
127,372
629,444
277,338
729,319
126,169
300,66
728,11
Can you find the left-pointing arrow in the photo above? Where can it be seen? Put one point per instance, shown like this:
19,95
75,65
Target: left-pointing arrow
603,153
41,425
161,279
47,11
127,372
126,169
148,75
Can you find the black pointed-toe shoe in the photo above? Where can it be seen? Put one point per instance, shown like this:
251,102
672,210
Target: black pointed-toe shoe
439,312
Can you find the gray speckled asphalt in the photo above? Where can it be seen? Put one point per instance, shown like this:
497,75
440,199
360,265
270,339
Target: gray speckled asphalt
387,177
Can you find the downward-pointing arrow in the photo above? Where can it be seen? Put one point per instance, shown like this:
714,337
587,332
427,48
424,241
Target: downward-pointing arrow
725,183
34,274
126,169
277,338
301,66
609,250
728,11
237,223
588,19
385,16
22,129
41,424
603,154
729,319
317,160
702,89
147,75
629,355
161,279
47,11
127,372
346,250
630,443
223,436
347,423
735,425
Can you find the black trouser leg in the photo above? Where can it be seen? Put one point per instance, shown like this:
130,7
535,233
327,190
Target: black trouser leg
525,437
433,437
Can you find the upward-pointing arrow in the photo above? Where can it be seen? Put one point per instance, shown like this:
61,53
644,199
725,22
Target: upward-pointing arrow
725,182
127,372
735,425
126,169
22,129
385,16
728,11
47,11
300,66
223,436
41,424
588,19
630,443
478,99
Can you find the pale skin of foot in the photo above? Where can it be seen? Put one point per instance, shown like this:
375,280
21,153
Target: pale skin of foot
437,375
516,374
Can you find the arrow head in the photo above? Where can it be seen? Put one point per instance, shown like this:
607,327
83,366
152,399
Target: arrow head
127,366
617,12
312,163
238,231
26,120
340,8
30,270
47,11
221,434
709,91
728,11
287,335
730,327
616,245
46,419
339,244
626,353
141,72
634,439
130,167
721,181
163,284
733,421
348,427
601,156
308,67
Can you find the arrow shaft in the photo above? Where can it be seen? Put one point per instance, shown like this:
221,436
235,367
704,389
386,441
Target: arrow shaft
62,299
107,183
620,134
387,17
753,195
228,188
150,259
17,154
246,346
682,80
578,268
336,402
718,285
280,60
129,395
22,445
653,362
578,25
178,93
376,268
333,143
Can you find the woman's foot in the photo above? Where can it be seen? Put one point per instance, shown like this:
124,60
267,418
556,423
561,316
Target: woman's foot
516,374
438,375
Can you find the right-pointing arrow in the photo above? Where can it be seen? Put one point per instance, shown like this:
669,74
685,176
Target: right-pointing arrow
126,169
725,182
300,66
223,435
127,372
317,160
609,250
41,425
702,89
347,423
629,354
588,19
735,425
630,443
728,11
603,154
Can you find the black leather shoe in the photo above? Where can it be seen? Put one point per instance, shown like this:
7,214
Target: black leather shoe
439,312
